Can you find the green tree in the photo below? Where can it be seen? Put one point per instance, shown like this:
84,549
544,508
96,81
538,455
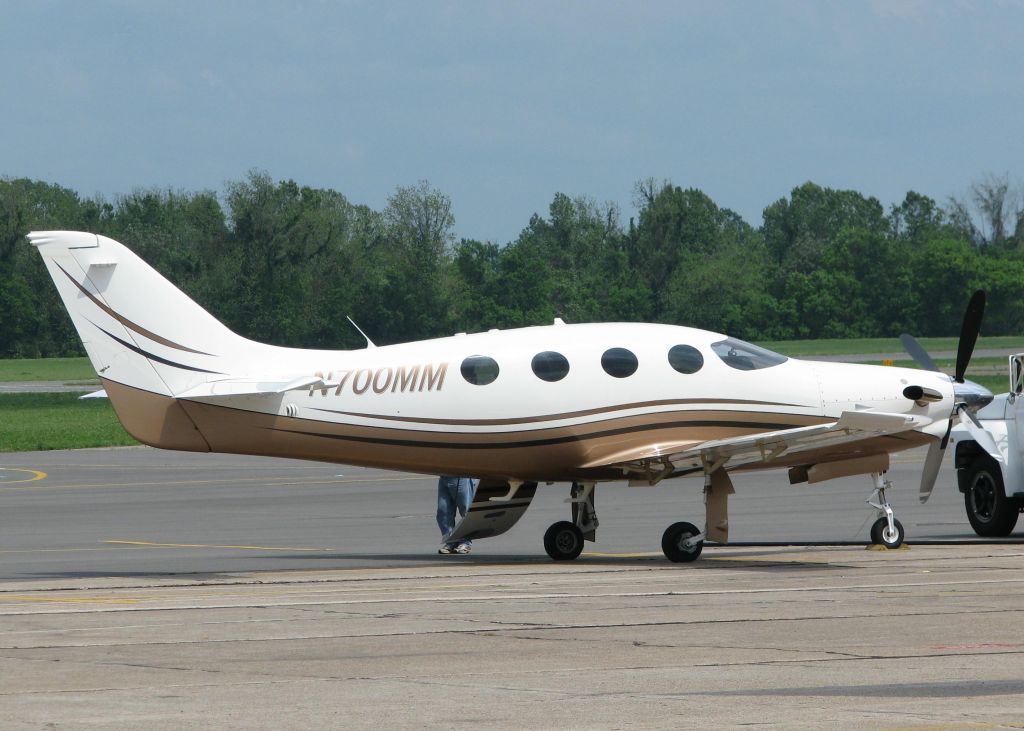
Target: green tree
573,251
33,322
682,231
412,251
799,229
280,235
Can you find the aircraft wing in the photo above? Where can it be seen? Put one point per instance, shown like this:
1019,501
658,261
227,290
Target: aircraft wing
254,387
851,427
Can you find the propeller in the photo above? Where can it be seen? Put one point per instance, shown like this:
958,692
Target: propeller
968,397
917,352
969,333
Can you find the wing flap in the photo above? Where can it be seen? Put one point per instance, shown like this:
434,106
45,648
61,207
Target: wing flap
852,426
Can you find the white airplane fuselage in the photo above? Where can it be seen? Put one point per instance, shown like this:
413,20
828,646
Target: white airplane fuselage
410,407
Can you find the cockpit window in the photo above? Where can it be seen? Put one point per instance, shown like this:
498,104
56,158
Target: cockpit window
745,356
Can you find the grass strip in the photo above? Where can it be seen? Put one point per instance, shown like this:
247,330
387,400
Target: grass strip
40,421
78,370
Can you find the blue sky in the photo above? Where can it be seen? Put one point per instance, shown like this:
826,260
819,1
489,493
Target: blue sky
502,104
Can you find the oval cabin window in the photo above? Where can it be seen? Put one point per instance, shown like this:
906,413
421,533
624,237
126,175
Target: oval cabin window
685,358
619,362
479,369
550,366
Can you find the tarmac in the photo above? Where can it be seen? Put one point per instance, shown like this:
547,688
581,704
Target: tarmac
141,588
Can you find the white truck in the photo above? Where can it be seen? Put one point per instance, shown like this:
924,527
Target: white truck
993,490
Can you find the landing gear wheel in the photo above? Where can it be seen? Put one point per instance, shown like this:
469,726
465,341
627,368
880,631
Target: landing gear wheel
882,536
673,543
563,541
992,514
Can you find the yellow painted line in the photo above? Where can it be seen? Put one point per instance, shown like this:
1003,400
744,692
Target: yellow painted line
66,550
658,554
598,554
772,559
150,544
36,475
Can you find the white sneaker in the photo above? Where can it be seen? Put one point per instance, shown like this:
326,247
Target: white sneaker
446,549
463,548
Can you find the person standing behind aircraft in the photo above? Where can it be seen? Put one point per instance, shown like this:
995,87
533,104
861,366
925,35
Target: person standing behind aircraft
453,493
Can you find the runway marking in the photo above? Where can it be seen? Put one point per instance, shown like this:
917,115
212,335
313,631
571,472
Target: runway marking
65,550
752,557
599,554
36,475
771,558
150,544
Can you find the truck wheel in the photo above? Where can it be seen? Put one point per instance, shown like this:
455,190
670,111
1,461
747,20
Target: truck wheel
992,514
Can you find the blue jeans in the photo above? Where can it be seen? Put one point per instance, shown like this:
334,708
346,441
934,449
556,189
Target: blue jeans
453,493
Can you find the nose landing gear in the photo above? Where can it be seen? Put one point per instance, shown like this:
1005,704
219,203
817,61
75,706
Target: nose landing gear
886,531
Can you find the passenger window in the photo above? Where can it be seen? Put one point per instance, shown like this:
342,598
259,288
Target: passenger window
685,358
550,366
619,362
746,356
479,370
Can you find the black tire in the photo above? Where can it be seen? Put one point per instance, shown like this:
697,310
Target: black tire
876,532
881,536
563,541
992,514
672,543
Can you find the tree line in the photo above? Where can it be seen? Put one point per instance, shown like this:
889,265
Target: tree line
285,263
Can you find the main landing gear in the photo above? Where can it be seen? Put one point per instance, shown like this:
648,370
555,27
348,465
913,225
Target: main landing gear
681,542
563,541
886,531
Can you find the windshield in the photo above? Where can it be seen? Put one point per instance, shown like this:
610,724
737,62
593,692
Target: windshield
744,356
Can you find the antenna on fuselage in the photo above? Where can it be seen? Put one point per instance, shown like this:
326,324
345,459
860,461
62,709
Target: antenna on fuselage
369,343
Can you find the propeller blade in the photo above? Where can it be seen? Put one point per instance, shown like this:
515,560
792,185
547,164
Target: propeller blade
980,434
949,428
969,333
932,463
917,352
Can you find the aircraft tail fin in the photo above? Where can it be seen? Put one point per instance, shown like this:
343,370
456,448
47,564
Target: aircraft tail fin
139,330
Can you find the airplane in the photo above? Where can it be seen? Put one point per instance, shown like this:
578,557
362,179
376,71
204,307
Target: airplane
562,403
